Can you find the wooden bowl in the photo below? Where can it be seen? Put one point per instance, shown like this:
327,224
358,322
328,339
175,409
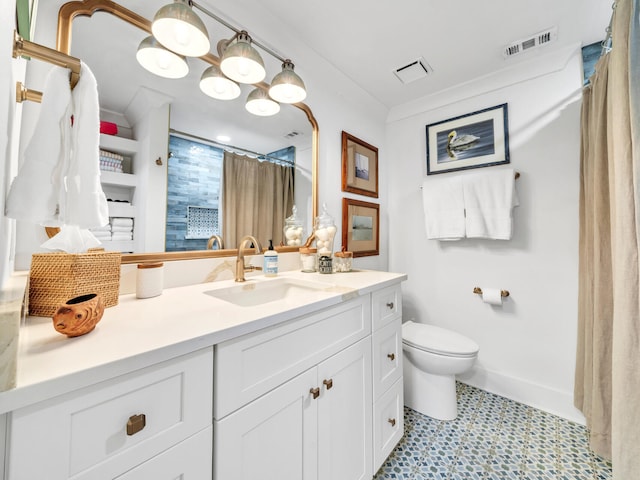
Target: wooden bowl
79,315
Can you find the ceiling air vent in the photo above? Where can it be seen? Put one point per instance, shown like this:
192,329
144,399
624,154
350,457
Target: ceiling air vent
532,42
292,134
413,71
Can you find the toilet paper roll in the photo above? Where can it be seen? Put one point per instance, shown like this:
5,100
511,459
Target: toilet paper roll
492,296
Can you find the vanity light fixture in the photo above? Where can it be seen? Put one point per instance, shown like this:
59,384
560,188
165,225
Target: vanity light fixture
259,103
160,61
180,30
287,86
182,33
241,62
216,85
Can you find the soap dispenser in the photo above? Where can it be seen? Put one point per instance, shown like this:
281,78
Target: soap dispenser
270,261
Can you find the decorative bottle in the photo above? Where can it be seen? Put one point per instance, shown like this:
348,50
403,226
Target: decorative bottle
293,229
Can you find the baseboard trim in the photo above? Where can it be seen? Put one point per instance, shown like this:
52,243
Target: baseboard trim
538,396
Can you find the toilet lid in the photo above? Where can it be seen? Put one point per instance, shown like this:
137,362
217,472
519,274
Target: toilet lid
437,340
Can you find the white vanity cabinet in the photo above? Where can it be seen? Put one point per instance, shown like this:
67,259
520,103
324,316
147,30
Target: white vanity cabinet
317,398
294,401
122,428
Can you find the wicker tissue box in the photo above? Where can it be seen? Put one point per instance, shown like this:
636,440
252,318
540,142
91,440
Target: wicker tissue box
56,277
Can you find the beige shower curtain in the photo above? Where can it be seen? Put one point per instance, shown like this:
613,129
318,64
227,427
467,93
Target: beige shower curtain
607,384
257,196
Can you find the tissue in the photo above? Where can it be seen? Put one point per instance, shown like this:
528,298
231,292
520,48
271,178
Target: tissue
492,296
72,239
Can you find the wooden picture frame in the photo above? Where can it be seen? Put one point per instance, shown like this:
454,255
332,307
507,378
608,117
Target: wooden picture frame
359,166
360,227
474,140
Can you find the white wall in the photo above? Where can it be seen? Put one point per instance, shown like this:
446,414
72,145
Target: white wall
8,112
527,346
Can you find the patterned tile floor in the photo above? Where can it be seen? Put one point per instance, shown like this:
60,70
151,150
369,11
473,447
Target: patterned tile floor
493,438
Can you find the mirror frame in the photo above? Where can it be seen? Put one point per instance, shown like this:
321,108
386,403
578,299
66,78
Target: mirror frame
67,13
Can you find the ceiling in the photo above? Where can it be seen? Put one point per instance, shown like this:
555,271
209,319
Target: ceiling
460,40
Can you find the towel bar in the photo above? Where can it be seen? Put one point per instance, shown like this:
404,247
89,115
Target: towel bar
22,47
478,290
516,176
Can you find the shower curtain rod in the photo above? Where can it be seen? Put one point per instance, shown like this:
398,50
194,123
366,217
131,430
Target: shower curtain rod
607,43
227,147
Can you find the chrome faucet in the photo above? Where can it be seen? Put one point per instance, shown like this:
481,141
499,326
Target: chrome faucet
240,268
213,239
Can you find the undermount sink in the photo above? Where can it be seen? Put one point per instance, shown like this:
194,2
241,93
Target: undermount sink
252,293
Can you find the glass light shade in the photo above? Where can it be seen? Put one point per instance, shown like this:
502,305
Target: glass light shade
160,61
216,85
179,29
259,103
241,62
287,86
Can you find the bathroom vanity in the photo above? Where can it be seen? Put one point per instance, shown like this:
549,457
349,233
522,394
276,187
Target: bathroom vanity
295,377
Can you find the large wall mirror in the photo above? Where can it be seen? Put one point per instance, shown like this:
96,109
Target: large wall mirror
105,35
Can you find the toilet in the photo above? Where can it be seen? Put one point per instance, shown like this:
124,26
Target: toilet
433,356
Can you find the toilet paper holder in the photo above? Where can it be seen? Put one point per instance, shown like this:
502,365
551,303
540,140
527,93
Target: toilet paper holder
503,293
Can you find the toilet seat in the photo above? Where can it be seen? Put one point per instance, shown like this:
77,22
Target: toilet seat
441,341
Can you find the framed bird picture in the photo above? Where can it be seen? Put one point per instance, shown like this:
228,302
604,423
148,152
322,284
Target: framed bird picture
474,140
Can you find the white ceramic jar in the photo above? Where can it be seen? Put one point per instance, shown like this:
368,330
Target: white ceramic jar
149,280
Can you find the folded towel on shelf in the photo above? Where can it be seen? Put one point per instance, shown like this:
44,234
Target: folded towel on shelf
122,236
121,222
443,204
115,229
489,198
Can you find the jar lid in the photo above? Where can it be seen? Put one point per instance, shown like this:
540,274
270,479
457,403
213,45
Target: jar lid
150,265
293,219
343,254
307,250
324,219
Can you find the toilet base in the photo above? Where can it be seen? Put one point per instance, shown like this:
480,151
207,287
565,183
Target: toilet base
431,395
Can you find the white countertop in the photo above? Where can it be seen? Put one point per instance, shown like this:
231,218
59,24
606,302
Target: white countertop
138,333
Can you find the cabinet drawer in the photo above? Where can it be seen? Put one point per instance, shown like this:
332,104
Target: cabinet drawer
250,366
388,423
189,460
386,305
387,356
84,434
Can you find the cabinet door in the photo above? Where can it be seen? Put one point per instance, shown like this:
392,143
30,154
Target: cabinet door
272,438
84,434
189,460
344,414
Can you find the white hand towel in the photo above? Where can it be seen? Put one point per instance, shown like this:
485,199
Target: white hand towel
84,202
443,204
34,193
489,198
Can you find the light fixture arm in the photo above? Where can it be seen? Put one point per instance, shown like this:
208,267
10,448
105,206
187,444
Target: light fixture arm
237,31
